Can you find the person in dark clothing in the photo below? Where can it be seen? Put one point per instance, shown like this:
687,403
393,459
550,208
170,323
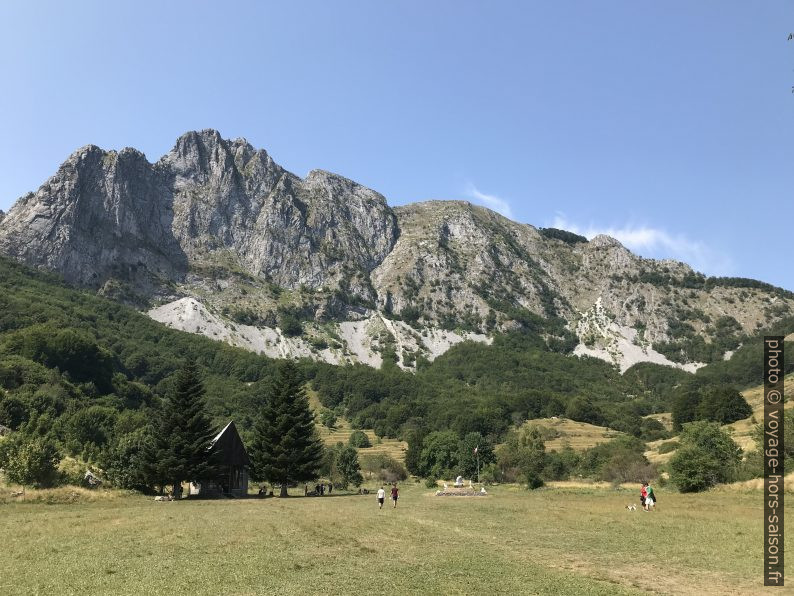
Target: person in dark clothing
394,495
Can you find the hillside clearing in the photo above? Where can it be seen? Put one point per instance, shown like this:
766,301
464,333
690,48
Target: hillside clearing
342,430
579,435
742,431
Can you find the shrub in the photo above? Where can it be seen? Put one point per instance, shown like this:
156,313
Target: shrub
358,438
523,457
560,464
625,466
431,482
13,411
290,325
383,467
130,462
328,419
707,456
346,468
603,461
669,446
32,462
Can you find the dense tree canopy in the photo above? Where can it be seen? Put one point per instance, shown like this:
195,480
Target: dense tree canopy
90,376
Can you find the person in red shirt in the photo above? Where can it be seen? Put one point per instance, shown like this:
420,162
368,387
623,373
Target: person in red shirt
394,495
643,494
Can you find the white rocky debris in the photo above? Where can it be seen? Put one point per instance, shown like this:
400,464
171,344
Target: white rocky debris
618,344
362,341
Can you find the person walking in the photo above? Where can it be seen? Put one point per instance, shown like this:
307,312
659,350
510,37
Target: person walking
650,498
643,494
394,494
381,497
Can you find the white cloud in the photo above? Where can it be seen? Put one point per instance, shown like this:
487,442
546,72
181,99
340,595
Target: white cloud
655,243
491,201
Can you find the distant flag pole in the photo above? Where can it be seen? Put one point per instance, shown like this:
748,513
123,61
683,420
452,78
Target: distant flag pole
477,453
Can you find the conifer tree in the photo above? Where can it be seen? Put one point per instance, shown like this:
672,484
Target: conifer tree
185,433
286,448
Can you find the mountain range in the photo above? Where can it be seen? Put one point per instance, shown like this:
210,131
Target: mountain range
217,238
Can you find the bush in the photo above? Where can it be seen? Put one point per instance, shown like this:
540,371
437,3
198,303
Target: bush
609,461
31,462
523,457
707,456
290,325
560,464
625,466
346,468
72,471
90,426
328,419
669,446
384,468
431,482
358,438
130,462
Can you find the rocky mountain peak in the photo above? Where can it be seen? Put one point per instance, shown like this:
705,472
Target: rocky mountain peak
221,222
604,241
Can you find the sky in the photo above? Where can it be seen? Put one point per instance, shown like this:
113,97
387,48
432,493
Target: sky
666,125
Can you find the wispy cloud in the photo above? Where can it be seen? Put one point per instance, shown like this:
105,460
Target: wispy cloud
657,243
491,201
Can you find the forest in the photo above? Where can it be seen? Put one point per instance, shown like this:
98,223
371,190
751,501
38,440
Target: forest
88,373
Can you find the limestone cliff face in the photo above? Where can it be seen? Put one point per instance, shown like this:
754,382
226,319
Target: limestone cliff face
103,215
219,221
208,205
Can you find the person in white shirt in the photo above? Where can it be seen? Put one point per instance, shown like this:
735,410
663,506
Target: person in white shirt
381,497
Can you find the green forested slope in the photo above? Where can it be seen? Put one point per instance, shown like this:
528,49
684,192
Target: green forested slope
85,368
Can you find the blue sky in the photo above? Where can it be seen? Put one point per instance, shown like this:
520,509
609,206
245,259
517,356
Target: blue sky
668,125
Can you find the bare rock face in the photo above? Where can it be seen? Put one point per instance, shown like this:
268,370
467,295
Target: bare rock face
102,215
220,222
209,203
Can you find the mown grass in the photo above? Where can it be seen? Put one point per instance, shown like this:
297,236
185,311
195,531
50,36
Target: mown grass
552,541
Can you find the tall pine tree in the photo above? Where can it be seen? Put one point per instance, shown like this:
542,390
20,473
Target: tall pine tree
286,448
185,433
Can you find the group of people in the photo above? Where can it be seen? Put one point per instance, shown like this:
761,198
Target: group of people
395,493
647,497
319,489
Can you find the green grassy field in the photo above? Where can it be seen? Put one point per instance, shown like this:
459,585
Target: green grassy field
550,541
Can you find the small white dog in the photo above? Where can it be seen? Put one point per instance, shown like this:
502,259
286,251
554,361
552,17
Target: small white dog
631,507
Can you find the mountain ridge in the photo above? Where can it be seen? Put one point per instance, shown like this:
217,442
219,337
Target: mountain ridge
220,222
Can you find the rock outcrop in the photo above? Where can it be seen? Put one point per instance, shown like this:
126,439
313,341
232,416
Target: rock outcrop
221,223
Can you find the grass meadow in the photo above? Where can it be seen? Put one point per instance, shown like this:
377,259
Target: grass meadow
560,540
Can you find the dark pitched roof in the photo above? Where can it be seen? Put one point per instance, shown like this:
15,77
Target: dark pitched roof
230,446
